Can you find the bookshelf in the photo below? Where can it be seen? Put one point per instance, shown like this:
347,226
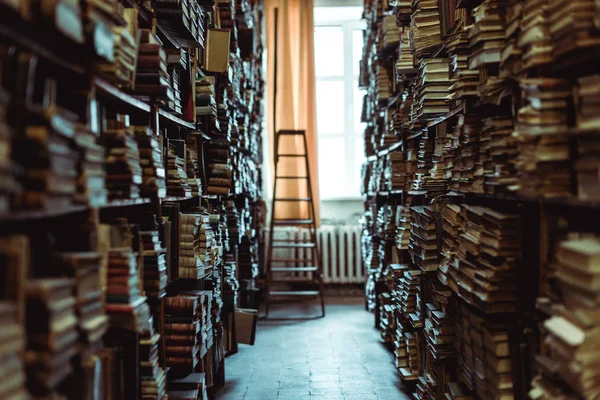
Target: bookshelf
131,179
474,140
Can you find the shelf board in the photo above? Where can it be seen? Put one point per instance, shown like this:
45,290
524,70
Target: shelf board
125,203
110,92
447,116
177,198
175,120
389,149
31,215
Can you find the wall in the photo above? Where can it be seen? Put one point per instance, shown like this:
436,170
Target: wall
346,210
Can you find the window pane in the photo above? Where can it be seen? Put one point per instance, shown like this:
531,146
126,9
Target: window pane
332,167
359,127
357,45
330,107
323,15
329,51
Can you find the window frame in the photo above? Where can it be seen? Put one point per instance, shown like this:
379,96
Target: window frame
350,83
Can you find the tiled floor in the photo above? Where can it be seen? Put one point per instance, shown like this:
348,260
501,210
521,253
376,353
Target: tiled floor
337,357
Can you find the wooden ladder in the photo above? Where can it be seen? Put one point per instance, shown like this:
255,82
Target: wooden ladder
313,260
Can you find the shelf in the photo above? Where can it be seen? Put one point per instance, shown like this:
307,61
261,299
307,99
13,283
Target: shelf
30,215
389,149
175,120
372,158
173,199
446,116
110,92
23,39
125,203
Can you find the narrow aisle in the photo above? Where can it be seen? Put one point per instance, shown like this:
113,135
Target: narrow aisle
340,357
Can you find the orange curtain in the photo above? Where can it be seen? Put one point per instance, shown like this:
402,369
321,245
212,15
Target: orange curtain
296,100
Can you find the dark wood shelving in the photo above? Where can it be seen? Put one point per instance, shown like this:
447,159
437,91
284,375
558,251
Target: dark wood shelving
172,119
111,93
31,215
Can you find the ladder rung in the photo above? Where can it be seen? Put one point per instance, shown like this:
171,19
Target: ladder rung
300,293
293,260
291,177
299,199
295,269
290,132
291,155
292,222
293,245
292,241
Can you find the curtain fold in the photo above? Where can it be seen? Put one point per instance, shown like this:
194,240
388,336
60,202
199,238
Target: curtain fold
296,100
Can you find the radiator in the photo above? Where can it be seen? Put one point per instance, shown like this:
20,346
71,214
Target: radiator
339,247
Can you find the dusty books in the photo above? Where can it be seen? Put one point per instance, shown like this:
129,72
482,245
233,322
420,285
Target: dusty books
177,179
193,165
11,360
205,96
191,384
51,333
195,243
121,71
423,241
151,78
432,87
425,33
543,144
155,264
571,331
153,169
122,162
84,267
487,34
498,152
91,180
487,255
8,185
153,377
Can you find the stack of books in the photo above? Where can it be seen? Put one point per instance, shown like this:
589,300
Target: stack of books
45,152
177,179
248,259
487,34
193,165
154,184
396,171
51,334
219,179
403,227
425,33
125,306
204,299
535,41
423,240
488,256
450,225
412,371
122,163
190,265
458,391
439,333
571,331
588,92
155,264
11,359
9,185
467,131
424,162
500,158
153,377
542,130
206,103
175,104
405,64
121,69
152,79
574,27
183,332
511,57
432,88
184,20
386,317
587,167
382,84
85,269
390,32
464,81
91,182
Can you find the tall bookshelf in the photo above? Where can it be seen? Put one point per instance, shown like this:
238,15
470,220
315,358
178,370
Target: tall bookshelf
478,199
119,126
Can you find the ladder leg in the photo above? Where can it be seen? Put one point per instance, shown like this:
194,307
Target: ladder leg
271,230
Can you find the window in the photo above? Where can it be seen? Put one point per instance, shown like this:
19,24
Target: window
338,50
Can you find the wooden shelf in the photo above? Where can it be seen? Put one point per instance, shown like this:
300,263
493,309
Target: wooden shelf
21,34
177,198
389,149
112,93
30,215
125,203
447,116
172,119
